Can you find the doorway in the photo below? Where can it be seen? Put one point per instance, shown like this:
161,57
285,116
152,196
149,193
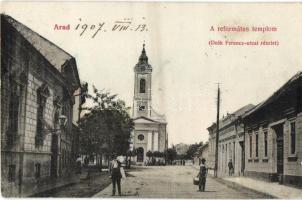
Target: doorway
140,154
280,150
242,158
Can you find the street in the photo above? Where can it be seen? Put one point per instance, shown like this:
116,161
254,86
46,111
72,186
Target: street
172,182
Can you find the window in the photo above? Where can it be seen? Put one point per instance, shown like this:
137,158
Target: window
140,137
265,143
142,86
37,170
257,145
251,147
13,114
226,148
293,138
43,94
11,173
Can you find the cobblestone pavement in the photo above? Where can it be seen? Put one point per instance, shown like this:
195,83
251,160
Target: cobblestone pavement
172,182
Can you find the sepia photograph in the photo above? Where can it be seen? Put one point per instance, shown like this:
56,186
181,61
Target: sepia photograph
177,100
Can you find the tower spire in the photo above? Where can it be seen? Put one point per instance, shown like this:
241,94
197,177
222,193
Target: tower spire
143,57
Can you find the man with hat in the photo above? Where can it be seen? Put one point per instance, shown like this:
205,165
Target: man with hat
115,173
202,175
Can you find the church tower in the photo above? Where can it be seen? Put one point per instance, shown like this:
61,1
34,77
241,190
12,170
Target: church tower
150,128
142,87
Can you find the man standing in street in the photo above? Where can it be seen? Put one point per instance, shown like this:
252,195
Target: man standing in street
202,175
115,172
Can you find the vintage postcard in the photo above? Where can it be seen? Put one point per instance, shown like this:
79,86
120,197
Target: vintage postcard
151,100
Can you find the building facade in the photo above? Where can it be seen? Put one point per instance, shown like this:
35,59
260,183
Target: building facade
150,131
231,143
202,153
273,136
38,80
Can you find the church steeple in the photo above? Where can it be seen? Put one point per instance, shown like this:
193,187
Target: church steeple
143,57
143,65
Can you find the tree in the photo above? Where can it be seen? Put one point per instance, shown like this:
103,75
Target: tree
170,155
107,126
149,154
193,148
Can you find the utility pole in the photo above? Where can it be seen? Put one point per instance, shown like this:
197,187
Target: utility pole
217,131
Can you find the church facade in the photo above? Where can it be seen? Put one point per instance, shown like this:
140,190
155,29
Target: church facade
150,132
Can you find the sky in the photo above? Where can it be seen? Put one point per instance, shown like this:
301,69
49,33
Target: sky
186,69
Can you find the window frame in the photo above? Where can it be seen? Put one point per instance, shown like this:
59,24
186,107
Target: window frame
142,89
265,143
256,145
11,173
290,139
250,146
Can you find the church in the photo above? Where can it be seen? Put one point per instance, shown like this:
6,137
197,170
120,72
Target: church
150,132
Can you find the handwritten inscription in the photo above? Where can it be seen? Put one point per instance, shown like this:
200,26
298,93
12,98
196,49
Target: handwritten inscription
92,30
124,25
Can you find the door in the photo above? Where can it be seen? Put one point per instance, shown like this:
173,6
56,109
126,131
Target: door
242,157
54,156
140,154
280,149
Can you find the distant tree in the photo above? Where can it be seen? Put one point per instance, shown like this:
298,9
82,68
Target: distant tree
156,154
170,155
193,148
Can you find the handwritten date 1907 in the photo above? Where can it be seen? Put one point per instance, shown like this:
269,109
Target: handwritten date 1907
124,25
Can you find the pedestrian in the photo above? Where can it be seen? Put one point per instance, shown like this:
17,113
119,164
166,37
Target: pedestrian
79,164
231,168
202,175
115,173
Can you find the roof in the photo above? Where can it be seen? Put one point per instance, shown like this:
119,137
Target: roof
52,53
229,118
146,119
276,94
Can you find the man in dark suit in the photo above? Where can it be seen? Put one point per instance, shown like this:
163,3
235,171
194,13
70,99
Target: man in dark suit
202,175
115,172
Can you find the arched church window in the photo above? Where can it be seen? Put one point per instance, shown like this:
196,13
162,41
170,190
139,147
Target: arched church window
142,86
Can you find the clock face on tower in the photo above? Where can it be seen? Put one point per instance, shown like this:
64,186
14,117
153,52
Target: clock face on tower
141,108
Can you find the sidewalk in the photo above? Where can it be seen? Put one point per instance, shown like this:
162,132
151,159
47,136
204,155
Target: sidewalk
273,189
